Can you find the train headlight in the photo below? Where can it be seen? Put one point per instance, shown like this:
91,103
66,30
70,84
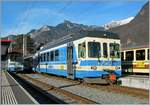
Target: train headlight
117,67
94,67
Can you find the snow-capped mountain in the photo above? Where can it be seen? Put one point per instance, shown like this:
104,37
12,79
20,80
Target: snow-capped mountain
45,28
118,23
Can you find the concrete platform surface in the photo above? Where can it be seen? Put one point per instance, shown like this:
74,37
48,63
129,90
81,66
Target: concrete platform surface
12,92
136,81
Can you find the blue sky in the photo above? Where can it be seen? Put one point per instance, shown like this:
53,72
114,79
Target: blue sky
21,17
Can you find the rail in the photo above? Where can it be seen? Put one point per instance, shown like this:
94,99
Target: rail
68,97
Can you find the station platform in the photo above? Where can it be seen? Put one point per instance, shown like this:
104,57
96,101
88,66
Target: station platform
12,92
136,81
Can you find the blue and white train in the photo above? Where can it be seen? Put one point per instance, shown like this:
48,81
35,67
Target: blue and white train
14,66
89,54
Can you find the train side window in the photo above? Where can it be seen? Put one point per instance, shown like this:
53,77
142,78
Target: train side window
57,55
41,58
105,54
129,56
44,57
48,56
140,55
52,55
82,50
122,56
148,54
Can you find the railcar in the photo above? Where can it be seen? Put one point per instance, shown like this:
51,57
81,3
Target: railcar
135,60
14,66
88,54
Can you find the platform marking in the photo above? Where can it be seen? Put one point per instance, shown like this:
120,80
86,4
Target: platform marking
24,90
8,96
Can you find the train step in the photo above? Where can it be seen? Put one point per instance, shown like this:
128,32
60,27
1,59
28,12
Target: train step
95,81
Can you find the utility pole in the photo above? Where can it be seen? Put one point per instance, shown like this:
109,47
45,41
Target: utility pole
24,48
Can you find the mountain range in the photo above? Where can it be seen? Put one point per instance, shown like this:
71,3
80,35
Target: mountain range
48,33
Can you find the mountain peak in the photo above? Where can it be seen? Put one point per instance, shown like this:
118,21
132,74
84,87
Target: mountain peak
118,23
67,21
45,28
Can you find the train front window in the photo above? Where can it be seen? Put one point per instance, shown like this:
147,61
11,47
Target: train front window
129,56
114,50
82,50
94,49
140,55
105,54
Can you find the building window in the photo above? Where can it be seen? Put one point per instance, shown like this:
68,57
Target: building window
57,55
105,54
94,49
129,56
140,55
82,50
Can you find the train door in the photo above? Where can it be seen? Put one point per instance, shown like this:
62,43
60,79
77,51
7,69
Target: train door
70,70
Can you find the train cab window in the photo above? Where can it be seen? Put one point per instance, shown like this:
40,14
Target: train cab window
94,49
129,56
114,50
140,55
148,54
82,50
56,55
122,56
52,56
105,54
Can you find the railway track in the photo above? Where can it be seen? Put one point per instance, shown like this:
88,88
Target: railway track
62,95
40,96
142,93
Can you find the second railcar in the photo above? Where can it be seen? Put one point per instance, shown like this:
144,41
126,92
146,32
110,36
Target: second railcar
135,60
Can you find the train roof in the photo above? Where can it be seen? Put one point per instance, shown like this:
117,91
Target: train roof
135,47
81,34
